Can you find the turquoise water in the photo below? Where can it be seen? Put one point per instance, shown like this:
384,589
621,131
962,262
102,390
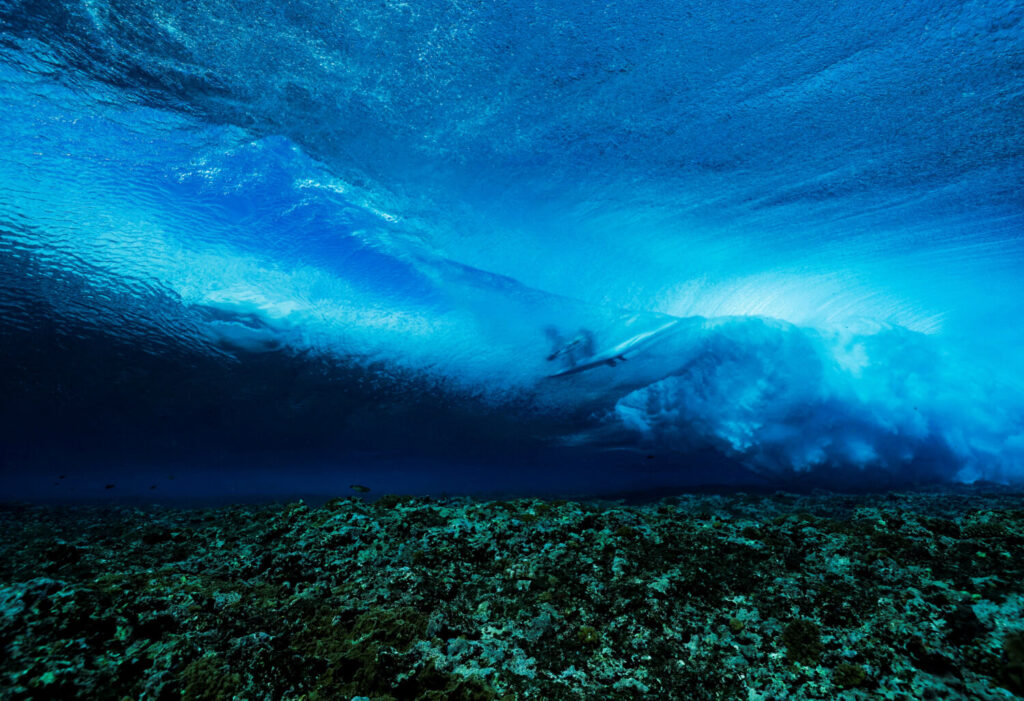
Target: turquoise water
520,247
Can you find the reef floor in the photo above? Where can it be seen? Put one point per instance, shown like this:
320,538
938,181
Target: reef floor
909,595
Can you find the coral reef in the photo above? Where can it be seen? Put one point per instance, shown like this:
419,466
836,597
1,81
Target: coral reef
695,597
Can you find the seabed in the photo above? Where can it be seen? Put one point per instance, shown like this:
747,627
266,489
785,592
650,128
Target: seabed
743,596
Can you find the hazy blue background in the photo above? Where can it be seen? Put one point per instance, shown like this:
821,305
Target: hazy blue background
275,248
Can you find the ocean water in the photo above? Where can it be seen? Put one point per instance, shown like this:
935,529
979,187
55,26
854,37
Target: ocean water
511,351
273,249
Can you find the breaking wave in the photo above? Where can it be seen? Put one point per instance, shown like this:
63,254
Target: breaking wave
785,236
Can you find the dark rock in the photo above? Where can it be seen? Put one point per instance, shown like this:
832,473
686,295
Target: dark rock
964,625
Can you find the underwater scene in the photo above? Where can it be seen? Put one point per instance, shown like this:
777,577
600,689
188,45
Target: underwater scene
387,351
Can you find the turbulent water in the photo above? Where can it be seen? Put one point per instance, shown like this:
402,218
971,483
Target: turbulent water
782,238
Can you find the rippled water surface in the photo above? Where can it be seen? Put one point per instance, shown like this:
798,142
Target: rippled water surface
470,246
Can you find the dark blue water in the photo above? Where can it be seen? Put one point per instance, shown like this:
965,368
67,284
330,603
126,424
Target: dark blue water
276,248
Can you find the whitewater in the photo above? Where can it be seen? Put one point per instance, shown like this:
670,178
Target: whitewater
783,237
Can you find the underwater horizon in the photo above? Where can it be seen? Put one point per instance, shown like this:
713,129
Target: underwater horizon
273,249
521,351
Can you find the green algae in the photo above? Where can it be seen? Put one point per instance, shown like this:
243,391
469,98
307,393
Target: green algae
802,639
849,676
587,636
209,679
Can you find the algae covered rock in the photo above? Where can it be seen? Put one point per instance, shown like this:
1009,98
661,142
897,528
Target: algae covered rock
209,679
1012,675
802,639
696,597
849,676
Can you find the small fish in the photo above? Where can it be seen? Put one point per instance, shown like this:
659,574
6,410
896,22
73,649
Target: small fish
109,486
362,489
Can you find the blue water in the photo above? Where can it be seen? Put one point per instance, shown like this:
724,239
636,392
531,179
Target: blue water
278,246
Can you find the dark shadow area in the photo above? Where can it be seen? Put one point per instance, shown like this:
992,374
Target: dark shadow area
86,416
